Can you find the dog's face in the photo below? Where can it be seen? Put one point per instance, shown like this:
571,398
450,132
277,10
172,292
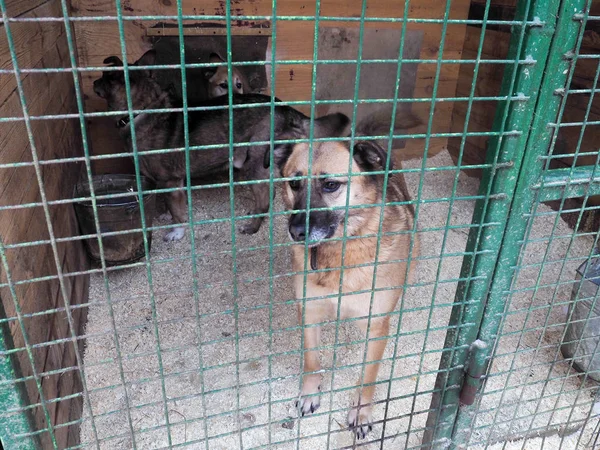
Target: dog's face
111,86
218,83
329,187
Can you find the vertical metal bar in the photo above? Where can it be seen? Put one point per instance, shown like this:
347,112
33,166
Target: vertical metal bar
188,186
409,261
434,94
563,40
530,43
459,161
236,313
311,136
273,79
361,34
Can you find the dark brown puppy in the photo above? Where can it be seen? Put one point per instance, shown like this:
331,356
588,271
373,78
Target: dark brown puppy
155,131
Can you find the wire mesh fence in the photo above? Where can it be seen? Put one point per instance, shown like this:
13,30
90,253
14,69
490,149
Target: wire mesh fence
205,342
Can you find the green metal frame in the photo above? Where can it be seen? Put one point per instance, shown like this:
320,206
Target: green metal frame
517,177
552,46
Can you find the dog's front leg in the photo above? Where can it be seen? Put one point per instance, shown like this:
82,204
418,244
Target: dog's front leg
360,416
309,399
261,201
255,171
176,205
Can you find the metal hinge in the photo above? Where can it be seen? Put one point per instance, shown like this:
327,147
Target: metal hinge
475,369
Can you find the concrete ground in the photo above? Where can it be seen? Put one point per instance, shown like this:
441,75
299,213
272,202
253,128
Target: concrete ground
240,330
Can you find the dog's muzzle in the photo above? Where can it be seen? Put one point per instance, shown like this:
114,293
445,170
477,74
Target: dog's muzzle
297,229
99,89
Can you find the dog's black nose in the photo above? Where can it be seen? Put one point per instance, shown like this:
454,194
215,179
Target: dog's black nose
298,227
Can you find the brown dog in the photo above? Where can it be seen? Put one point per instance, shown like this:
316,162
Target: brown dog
329,193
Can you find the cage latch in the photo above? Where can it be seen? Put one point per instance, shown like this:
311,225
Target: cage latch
474,373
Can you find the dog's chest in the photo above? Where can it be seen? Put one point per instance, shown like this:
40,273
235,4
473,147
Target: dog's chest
354,300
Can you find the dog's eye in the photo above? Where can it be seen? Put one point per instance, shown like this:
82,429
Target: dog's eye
238,85
223,85
294,185
331,186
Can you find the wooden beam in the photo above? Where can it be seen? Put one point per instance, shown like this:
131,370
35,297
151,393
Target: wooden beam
32,40
210,29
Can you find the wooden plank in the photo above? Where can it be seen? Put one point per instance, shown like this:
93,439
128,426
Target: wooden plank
77,261
508,3
25,257
210,29
16,8
32,40
70,382
38,261
37,296
591,38
63,355
45,94
382,8
577,105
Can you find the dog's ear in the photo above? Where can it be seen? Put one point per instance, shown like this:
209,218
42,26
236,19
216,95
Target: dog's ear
331,125
281,153
369,155
210,71
147,59
215,58
113,61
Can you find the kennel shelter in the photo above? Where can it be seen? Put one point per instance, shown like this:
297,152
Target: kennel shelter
197,345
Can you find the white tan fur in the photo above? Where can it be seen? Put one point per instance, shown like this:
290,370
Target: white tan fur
218,81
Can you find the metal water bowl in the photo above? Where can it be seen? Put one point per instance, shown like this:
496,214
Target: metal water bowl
115,214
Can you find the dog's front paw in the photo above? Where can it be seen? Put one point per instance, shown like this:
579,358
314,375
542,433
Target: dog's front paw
309,400
360,421
307,405
175,234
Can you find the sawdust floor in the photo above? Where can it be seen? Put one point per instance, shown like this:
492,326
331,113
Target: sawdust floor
268,345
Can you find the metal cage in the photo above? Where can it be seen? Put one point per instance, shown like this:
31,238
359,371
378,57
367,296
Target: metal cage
217,364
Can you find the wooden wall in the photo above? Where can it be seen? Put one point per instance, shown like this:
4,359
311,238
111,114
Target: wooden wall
41,45
97,40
